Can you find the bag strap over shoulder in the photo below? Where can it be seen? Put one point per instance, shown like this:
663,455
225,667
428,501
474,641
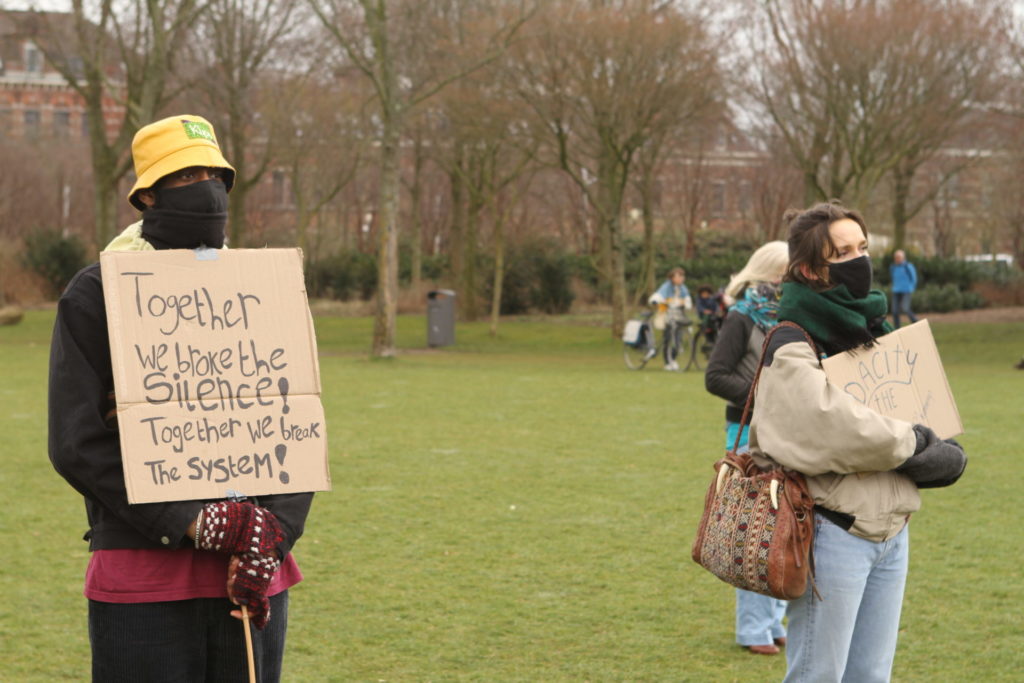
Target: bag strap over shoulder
745,419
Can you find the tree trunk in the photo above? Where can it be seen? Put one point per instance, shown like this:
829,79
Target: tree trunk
618,268
105,202
236,199
812,195
457,229
387,249
105,185
415,217
468,284
611,188
901,181
499,266
647,209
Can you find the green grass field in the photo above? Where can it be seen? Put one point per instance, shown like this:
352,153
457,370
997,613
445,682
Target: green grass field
521,509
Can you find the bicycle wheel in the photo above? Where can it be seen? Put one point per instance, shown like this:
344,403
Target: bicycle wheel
637,355
687,348
697,359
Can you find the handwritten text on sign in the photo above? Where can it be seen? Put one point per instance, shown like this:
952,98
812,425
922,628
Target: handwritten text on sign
901,376
216,374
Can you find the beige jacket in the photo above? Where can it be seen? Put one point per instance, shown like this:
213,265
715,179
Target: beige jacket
845,449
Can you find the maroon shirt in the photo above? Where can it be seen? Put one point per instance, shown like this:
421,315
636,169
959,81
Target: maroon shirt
130,576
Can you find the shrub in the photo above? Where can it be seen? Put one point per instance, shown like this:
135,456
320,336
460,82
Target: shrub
538,276
939,277
54,257
552,292
432,266
718,254
342,276
937,299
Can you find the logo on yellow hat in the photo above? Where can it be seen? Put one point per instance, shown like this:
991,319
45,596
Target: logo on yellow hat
198,129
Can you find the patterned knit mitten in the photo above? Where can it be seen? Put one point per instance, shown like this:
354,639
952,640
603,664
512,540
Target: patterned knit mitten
236,528
252,579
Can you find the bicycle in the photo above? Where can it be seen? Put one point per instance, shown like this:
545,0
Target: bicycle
640,343
702,343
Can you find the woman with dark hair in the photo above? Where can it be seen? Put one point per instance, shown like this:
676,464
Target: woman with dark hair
863,469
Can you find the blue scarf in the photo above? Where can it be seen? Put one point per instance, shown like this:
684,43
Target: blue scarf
760,303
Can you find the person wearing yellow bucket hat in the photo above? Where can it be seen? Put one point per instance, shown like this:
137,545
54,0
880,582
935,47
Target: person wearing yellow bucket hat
161,575
181,186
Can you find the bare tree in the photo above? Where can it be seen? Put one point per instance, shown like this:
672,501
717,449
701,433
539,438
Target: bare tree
862,89
322,130
235,46
409,50
116,52
479,142
775,187
686,182
601,78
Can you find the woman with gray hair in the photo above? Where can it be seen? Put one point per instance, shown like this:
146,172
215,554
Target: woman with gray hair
752,295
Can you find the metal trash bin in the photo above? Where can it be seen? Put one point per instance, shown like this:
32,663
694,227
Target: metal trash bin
441,317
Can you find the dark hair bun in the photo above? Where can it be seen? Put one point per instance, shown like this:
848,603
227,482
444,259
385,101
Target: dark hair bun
791,215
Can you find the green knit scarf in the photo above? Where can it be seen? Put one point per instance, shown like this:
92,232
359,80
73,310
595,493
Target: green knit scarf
833,317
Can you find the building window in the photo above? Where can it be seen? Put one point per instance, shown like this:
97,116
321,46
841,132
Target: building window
718,199
62,124
33,59
278,184
746,197
32,119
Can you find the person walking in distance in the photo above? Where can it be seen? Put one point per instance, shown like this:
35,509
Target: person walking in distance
904,282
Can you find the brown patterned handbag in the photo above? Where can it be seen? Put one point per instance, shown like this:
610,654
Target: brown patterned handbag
757,530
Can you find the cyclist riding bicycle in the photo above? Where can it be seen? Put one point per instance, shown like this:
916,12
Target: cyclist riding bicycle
672,301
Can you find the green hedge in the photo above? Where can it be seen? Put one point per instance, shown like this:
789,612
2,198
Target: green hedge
539,272
943,271
345,275
942,299
54,257
946,284
538,277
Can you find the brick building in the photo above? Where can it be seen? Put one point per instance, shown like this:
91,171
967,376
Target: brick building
35,100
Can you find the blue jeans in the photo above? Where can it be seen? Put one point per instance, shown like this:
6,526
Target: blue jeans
182,642
901,304
758,618
849,635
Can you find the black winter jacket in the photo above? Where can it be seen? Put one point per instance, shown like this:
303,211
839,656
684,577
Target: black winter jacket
733,362
84,446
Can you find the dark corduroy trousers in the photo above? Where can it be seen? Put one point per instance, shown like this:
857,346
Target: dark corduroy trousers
185,641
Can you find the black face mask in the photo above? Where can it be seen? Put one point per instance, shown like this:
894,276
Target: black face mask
856,274
187,217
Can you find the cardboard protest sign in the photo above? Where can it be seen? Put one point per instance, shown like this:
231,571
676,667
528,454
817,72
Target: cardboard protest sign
215,373
901,376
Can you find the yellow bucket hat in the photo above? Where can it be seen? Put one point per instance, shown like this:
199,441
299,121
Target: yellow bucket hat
171,144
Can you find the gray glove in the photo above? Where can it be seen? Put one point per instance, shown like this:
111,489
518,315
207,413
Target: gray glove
935,462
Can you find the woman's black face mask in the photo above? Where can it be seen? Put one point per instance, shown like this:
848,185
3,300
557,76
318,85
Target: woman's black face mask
856,274
188,216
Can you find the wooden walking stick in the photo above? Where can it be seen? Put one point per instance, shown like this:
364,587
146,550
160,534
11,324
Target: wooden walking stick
248,645
237,497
